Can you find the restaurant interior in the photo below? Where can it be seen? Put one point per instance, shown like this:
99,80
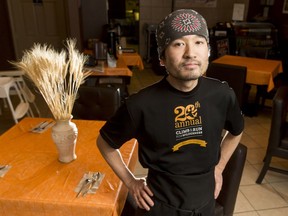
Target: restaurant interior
249,36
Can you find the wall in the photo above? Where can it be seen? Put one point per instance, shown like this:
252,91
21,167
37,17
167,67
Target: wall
6,42
73,9
279,19
153,11
94,16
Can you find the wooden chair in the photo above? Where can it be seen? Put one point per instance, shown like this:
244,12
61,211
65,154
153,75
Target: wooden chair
234,75
96,103
278,137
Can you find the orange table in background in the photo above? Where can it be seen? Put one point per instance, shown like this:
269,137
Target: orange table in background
259,71
38,184
128,58
132,59
103,70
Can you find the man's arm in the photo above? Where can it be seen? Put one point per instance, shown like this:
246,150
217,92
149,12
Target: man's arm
228,146
137,186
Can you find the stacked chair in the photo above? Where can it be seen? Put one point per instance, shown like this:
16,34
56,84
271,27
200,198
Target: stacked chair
12,84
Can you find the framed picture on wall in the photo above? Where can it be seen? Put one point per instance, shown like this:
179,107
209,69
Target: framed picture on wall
285,7
177,4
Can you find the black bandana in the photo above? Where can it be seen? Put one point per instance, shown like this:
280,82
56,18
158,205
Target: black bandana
178,24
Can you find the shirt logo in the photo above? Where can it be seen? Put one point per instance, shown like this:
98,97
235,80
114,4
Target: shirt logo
188,126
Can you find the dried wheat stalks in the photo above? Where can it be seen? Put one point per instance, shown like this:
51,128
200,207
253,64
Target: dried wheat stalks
57,75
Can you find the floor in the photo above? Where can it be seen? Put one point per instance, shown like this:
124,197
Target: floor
269,198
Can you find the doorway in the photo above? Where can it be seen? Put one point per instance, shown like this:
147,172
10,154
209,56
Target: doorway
126,14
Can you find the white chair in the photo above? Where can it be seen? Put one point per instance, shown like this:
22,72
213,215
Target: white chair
28,96
6,85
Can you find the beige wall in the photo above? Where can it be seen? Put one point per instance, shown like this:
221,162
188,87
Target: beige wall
153,11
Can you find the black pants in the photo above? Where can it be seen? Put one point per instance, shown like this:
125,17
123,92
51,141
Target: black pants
164,209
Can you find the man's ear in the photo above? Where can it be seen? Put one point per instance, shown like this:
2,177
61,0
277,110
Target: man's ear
162,62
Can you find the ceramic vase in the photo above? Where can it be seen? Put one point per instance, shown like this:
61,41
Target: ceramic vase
64,135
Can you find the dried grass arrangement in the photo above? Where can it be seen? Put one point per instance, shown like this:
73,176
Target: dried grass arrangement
57,75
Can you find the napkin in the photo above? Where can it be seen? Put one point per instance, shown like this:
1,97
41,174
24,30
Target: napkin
89,183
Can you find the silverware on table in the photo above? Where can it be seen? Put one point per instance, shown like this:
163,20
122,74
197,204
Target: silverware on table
37,127
94,179
42,126
88,184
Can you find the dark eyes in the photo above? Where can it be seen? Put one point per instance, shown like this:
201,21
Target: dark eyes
200,42
179,44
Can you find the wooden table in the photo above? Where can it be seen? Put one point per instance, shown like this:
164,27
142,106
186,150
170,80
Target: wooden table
103,70
259,71
132,59
38,184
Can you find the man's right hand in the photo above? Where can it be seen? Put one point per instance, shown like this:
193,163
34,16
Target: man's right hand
141,193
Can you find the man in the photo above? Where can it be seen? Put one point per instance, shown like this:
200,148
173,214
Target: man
178,123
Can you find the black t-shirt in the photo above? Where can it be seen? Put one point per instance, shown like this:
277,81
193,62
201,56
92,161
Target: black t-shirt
179,133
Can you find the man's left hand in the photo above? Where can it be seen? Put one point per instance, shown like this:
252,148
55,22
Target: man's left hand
218,181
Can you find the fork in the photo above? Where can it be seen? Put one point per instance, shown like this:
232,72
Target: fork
84,184
95,177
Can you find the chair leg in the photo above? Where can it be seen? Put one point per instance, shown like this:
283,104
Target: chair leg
12,110
265,168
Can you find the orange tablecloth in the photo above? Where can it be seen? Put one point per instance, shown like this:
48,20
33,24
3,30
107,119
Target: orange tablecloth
132,59
259,71
121,69
38,184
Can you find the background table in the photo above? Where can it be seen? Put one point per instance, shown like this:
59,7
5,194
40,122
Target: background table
38,184
103,70
259,71
132,59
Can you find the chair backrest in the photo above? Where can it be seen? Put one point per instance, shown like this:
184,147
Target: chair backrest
22,107
234,75
231,181
279,117
278,137
27,94
96,103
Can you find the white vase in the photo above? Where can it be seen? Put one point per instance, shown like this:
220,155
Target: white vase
64,134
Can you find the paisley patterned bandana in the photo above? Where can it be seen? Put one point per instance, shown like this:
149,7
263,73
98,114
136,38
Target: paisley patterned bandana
178,24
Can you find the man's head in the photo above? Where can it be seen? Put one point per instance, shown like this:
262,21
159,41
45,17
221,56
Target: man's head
178,24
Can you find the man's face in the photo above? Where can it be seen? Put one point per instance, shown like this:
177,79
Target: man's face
186,58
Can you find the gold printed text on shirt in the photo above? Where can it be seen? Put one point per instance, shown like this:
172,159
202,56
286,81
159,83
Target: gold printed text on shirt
202,143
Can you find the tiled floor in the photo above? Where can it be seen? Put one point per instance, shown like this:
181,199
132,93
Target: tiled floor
269,198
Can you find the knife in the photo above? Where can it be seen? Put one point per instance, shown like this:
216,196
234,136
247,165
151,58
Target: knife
85,183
